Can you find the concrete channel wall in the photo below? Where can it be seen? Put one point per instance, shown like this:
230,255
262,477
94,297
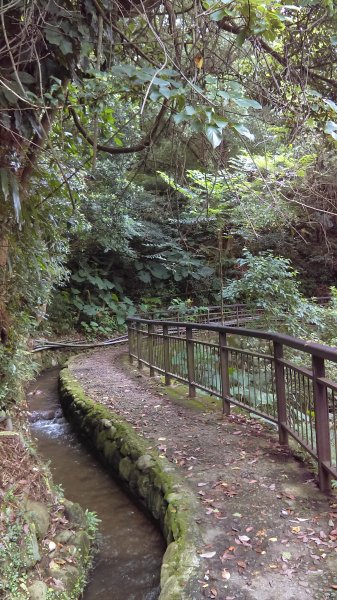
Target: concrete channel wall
150,478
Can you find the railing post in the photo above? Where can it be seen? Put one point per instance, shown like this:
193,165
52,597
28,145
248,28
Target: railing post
224,373
150,331
190,362
280,394
139,345
237,315
130,342
166,355
322,423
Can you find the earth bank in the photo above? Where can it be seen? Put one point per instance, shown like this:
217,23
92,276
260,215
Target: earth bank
46,541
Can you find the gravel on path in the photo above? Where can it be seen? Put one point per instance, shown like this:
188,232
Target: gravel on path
268,532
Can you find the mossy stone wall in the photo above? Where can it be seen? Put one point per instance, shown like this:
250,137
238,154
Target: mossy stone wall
149,477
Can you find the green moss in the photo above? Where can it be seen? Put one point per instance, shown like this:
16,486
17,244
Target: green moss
149,476
125,468
178,393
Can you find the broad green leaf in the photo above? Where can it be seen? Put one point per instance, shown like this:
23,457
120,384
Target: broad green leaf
190,110
330,127
159,271
213,135
220,122
16,197
144,276
312,92
242,130
4,183
241,38
57,39
154,96
330,103
206,271
179,117
24,77
247,103
218,15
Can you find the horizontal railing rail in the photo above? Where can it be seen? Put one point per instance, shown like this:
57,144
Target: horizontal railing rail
287,381
230,314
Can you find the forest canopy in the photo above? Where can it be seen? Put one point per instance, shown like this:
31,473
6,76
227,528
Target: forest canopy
145,144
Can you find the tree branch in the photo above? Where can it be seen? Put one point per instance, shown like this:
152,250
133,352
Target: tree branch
101,12
36,145
145,143
254,40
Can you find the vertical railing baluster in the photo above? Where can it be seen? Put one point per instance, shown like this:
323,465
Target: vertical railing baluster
166,355
150,332
280,394
190,362
322,423
139,345
224,374
130,342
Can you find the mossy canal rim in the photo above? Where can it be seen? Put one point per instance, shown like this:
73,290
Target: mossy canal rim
150,478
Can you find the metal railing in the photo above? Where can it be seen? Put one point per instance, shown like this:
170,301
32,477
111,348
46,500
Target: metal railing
232,315
285,380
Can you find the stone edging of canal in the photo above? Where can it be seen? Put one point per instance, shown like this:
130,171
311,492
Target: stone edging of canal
149,476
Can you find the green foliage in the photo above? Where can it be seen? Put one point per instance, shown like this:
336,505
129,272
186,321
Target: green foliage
249,196
13,575
269,282
100,310
211,114
92,523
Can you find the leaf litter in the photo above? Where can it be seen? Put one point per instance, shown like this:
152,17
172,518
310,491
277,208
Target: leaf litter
252,486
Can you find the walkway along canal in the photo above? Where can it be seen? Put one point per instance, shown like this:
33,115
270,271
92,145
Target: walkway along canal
131,547
285,380
265,530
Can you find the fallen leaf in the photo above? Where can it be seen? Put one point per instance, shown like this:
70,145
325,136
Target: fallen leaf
261,533
207,554
225,574
286,556
244,538
295,529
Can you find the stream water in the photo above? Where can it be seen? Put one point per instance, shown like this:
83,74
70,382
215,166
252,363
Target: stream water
131,548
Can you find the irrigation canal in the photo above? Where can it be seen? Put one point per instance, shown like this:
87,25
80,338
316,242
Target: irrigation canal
130,546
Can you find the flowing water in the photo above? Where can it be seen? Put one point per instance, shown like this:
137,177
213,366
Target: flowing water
131,548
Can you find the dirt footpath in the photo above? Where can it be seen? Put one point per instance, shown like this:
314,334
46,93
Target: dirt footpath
268,532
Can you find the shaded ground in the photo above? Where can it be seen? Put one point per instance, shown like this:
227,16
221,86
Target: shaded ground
268,532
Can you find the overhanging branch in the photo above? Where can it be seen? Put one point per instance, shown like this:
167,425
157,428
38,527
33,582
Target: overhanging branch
225,25
145,143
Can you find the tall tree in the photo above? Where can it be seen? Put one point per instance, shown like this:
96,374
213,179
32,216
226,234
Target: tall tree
189,61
